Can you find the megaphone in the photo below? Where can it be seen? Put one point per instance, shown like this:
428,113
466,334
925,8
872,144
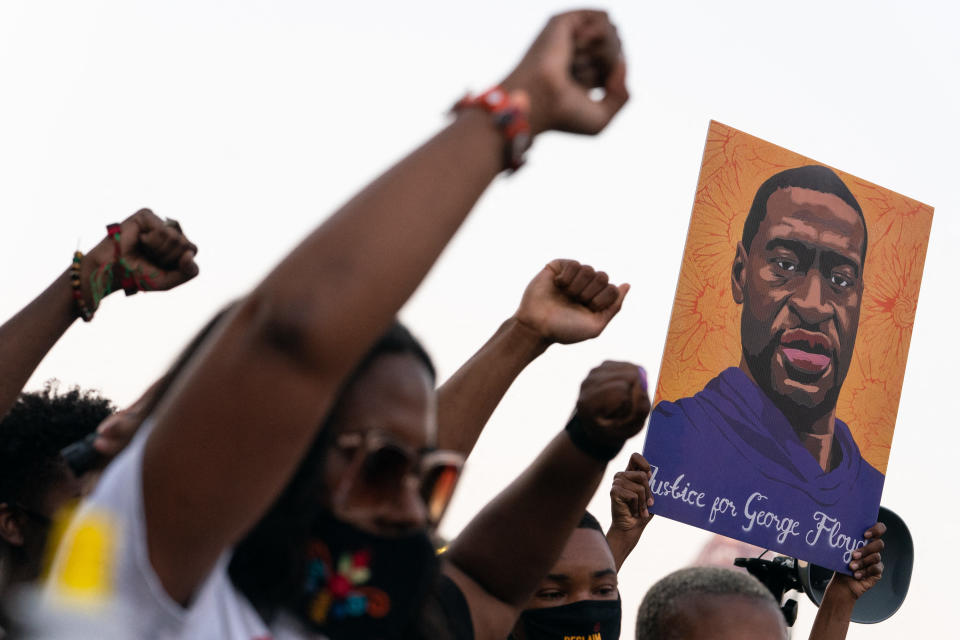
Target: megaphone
885,597
879,603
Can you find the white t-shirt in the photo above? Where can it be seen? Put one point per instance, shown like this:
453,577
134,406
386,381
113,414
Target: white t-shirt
103,562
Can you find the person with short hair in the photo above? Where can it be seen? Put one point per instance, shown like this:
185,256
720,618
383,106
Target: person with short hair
139,254
709,603
579,596
35,482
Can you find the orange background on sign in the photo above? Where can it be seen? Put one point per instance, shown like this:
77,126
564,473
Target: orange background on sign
704,334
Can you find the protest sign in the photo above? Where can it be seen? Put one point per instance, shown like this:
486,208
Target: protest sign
786,351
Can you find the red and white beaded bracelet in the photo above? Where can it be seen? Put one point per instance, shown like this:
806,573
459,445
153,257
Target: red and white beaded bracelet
511,114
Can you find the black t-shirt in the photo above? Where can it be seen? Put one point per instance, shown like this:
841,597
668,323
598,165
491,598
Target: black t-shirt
445,614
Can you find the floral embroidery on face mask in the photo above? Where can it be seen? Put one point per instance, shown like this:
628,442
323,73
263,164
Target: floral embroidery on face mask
341,592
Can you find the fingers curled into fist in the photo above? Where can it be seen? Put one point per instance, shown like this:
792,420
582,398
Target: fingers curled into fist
585,285
164,244
613,401
576,52
569,302
866,564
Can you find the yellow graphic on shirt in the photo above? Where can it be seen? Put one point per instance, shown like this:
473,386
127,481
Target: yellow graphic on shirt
83,572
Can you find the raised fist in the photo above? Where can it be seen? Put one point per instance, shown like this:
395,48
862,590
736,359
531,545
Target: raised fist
147,254
613,403
576,52
569,302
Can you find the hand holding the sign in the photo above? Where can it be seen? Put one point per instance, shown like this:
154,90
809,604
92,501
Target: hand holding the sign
569,302
630,495
613,403
630,499
833,616
866,565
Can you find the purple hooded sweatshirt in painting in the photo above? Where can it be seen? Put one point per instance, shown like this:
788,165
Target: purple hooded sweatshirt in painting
727,460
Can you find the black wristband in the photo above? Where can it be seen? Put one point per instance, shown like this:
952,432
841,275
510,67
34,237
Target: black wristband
581,440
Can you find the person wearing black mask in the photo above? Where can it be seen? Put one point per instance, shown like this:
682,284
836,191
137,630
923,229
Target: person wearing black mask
290,403
579,597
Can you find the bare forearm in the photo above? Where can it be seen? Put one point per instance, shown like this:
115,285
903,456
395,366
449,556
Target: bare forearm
833,616
512,543
342,286
305,326
622,543
466,401
140,243
29,335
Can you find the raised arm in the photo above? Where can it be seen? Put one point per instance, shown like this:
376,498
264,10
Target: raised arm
233,429
565,303
630,499
159,256
833,616
503,553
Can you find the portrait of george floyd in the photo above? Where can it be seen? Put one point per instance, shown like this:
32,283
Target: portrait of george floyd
787,346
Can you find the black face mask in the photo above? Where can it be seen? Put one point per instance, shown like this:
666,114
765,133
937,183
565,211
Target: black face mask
584,620
359,585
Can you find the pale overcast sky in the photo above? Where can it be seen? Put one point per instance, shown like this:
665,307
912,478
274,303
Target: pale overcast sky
250,121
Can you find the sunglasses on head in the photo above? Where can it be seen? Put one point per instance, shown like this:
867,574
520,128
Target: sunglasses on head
378,461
